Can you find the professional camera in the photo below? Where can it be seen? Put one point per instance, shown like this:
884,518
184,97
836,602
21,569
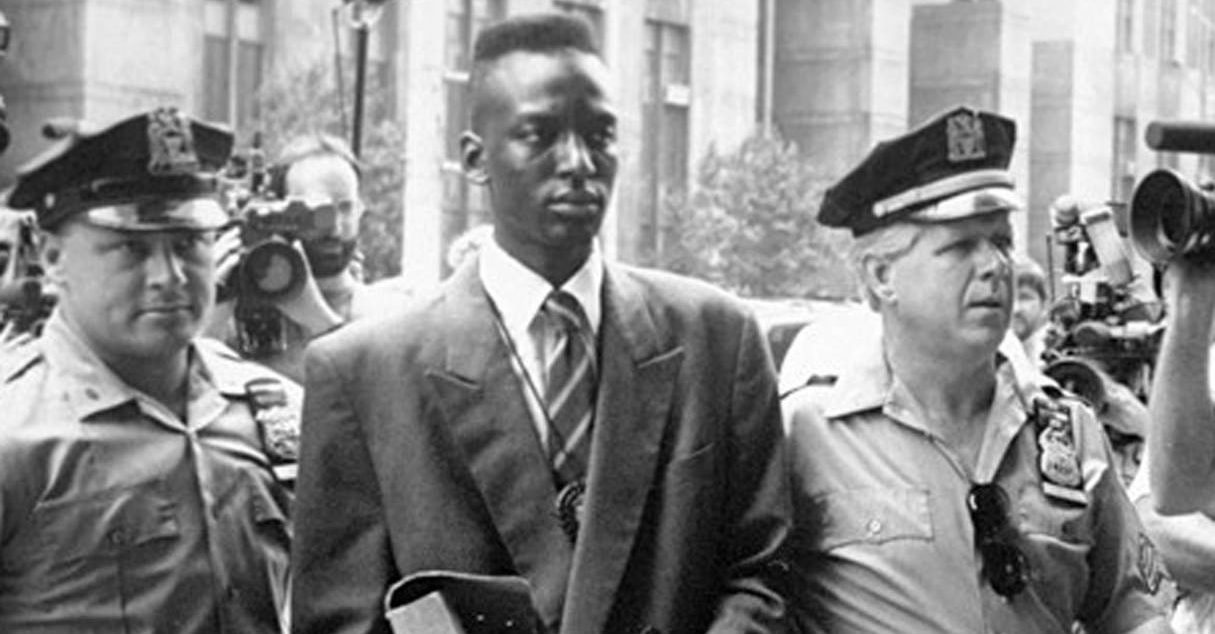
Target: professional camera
1107,322
1170,216
24,301
271,267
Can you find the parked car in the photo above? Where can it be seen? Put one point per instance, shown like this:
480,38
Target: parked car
782,319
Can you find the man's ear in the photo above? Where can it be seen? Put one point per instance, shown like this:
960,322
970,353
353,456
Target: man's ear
472,154
879,279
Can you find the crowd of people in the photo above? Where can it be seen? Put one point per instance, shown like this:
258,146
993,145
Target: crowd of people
552,441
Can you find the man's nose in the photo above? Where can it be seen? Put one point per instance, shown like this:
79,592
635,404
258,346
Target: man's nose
574,157
994,260
165,266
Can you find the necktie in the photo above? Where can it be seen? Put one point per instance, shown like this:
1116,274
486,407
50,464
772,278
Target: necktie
570,388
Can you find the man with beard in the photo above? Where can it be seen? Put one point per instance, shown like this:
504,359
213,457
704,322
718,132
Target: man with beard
141,467
935,489
608,435
320,172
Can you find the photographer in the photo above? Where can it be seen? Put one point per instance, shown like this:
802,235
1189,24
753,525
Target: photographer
320,172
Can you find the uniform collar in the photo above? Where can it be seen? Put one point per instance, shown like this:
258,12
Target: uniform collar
867,383
90,387
518,292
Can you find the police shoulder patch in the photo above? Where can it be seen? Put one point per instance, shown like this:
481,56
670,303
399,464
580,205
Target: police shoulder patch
277,423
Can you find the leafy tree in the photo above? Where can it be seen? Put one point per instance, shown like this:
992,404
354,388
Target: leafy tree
749,226
308,102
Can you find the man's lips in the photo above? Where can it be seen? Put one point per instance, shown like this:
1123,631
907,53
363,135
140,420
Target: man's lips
161,309
990,302
575,202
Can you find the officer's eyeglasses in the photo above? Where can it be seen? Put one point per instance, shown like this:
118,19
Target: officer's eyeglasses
1004,565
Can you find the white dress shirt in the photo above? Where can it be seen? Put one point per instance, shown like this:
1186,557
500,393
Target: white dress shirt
518,294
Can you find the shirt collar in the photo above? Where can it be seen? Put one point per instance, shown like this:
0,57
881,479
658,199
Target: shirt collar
91,387
867,383
518,292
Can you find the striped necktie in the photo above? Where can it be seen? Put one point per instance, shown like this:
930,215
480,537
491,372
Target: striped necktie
570,388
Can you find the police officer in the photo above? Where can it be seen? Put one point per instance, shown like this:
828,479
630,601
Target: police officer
934,489
142,470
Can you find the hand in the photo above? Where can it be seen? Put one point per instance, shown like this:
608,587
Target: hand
307,306
228,250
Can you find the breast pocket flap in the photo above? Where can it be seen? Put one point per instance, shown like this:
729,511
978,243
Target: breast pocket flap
875,516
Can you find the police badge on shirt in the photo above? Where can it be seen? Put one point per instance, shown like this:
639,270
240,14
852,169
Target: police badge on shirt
1058,457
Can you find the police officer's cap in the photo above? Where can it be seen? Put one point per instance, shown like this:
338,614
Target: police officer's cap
151,172
952,167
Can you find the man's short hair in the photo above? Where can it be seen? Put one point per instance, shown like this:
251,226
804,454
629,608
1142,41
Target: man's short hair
889,243
305,147
536,33
1026,272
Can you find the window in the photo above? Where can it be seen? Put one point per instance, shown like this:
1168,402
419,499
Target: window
463,206
230,91
589,10
1123,171
666,97
1126,26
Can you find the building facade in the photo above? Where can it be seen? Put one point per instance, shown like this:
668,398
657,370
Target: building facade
675,67
1082,78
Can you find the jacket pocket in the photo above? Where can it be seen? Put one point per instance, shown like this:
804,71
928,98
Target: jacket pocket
874,516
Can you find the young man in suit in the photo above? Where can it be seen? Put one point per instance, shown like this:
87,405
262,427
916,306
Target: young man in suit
609,434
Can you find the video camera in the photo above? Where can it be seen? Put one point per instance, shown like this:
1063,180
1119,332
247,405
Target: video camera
1170,216
270,267
1107,322
24,301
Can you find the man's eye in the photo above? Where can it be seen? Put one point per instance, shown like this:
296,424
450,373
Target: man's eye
192,244
534,135
131,248
603,136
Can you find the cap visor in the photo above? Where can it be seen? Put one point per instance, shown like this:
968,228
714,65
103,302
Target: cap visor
977,202
198,214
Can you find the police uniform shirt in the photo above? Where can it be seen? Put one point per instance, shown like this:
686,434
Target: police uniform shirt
883,541
116,516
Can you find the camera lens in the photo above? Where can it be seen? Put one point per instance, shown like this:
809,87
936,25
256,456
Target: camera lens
272,269
1170,216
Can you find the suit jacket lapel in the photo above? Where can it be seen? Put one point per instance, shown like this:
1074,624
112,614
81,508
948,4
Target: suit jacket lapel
482,400
638,370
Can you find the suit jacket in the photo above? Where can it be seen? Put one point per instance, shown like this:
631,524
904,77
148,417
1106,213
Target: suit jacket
418,453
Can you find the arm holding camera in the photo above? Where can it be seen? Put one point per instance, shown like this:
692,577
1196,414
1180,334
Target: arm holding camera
306,306
1182,441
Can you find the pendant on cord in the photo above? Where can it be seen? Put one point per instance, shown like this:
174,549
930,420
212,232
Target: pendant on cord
570,502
